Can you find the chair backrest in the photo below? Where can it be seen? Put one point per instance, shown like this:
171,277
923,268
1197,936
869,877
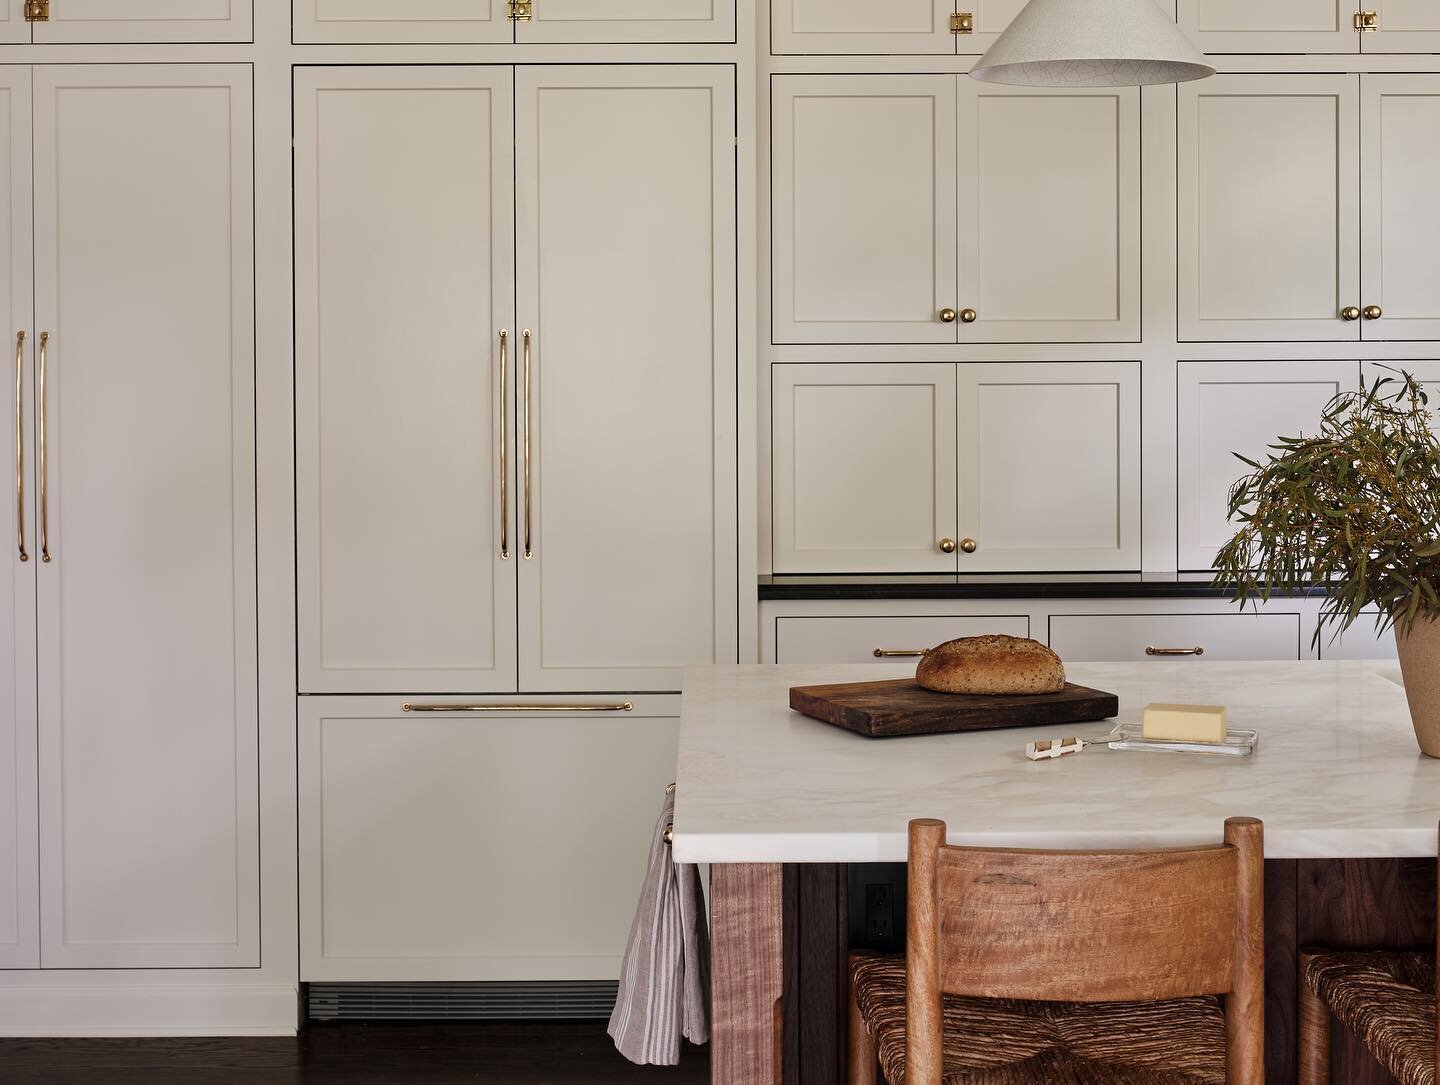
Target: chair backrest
1086,927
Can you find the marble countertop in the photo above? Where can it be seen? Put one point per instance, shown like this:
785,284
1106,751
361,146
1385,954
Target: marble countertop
1337,772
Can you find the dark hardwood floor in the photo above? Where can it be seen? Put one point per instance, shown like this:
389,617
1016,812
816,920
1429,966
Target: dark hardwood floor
506,1054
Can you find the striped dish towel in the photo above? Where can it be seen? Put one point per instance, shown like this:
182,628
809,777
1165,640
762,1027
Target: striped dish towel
665,978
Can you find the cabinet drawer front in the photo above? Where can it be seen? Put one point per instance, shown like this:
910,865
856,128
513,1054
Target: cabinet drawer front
1104,638
1360,641
856,640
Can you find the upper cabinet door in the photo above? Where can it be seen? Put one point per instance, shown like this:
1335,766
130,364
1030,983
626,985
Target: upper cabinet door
1049,213
864,209
101,21
1269,208
414,21
861,26
1406,26
13,27
626,227
1273,26
404,390
864,468
1400,130
19,833
145,274
589,21
1049,467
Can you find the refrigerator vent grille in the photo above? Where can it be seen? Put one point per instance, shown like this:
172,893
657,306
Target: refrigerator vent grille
576,1001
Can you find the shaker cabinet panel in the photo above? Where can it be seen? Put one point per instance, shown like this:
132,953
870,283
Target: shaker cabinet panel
864,468
594,21
1271,26
1406,26
414,21
1239,407
403,385
864,208
144,277
114,21
868,639
13,27
861,26
1180,639
1269,223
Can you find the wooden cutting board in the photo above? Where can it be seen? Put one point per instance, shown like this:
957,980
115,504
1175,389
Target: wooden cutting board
904,707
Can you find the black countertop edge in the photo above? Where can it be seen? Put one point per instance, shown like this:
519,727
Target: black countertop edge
1069,586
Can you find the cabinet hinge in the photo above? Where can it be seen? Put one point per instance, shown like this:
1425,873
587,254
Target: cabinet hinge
521,11
37,11
962,22
1367,21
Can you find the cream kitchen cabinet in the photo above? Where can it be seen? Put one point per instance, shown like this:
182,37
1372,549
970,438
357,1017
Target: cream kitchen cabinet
917,468
1169,637
116,21
888,26
491,515
881,638
1311,26
935,209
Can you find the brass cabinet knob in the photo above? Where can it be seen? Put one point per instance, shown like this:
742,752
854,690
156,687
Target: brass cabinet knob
969,546
947,545
968,316
1350,313
1373,312
947,316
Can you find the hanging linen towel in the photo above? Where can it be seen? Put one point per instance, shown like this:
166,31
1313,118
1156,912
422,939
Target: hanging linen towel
665,978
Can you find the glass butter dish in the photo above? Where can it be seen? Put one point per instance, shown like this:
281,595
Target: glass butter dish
1130,736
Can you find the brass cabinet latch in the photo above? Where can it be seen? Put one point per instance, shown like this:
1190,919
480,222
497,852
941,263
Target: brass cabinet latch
962,22
37,11
521,11
1367,21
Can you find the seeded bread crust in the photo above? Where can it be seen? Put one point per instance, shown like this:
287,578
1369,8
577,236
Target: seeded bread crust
991,666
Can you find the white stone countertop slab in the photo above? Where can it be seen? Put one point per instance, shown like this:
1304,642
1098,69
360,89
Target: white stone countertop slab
1337,773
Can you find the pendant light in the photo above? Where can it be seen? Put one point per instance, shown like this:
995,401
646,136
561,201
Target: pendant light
1092,43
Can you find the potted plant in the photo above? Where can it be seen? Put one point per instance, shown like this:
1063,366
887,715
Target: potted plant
1354,509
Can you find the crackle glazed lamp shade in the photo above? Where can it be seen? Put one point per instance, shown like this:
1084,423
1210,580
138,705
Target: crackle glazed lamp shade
1092,43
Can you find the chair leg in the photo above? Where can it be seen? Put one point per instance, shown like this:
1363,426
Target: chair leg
1314,1035
863,1060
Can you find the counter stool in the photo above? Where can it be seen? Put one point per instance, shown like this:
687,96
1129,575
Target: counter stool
1388,1000
1069,967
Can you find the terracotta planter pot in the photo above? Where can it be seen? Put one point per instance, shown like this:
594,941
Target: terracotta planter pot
1420,664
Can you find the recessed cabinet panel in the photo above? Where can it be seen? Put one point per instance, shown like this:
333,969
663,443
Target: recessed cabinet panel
414,21
144,276
13,27
1271,26
101,21
1049,466
1426,372
858,639
864,462
475,846
1109,638
1230,407
1049,214
626,225
1363,640
1400,127
1269,211
628,21
864,209
1406,26
886,26
403,286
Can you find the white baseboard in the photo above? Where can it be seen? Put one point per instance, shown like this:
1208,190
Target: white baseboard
133,1010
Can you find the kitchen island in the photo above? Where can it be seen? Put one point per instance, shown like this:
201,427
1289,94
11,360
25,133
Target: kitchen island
779,803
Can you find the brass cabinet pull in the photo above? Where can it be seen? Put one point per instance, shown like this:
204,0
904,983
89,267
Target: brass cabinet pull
624,706
969,545
968,316
1373,312
947,316
20,444
1153,651
1350,312
504,445
44,455
529,518
947,546
900,653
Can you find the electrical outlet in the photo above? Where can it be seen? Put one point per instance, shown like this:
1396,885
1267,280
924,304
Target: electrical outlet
879,913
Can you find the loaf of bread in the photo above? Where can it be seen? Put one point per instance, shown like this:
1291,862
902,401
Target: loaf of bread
992,666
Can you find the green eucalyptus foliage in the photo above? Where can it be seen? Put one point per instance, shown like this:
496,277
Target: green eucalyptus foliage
1355,509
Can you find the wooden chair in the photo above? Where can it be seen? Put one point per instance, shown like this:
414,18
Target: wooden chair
1388,1000
1036,966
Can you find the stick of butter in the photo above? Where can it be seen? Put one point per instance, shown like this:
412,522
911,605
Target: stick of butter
1185,722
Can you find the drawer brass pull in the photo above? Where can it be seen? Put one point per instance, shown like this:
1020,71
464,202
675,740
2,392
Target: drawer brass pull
900,653
626,706
1153,651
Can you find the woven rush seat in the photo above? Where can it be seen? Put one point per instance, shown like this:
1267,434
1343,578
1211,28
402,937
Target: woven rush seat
1007,1042
1385,999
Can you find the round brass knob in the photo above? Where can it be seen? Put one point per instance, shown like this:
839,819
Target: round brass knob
1350,313
947,316
969,546
947,545
968,316
1373,312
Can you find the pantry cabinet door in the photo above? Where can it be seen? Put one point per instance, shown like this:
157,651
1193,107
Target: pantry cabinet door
107,21
501,846
19,831
1406,26
598,21
404,387
13,27
1227,408
1400,126
381,22
864,468
1269,205
861,26
144,269
864,208
626,220
1272,26
1049,213
1049,467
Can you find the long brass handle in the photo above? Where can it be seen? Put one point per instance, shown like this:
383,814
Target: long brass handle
44,455
505,445
1153,651
20,444
897,653
529,549
624,706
